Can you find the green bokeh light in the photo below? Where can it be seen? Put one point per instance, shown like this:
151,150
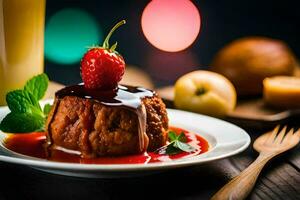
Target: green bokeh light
68,34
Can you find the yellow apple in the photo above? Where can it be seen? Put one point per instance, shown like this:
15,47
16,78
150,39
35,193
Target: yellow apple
205,92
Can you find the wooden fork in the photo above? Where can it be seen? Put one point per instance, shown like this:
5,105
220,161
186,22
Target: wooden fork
268,145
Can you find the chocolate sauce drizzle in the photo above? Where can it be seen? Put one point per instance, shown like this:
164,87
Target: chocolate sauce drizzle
124,96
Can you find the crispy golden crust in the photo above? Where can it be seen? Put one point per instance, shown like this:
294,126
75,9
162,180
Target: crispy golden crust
95,130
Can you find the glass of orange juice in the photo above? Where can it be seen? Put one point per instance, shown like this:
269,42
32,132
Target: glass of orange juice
21,42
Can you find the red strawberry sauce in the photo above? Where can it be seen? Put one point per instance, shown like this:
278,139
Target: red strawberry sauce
32,144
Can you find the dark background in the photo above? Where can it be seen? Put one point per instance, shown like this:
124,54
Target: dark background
222,22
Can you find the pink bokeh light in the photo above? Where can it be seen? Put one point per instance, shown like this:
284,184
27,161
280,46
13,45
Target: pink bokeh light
171,25
166,67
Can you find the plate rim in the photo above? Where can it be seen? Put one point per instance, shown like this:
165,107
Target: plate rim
199,159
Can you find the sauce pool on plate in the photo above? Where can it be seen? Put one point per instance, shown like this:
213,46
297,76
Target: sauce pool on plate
33,144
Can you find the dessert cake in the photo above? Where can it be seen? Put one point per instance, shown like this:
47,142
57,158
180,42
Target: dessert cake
122,121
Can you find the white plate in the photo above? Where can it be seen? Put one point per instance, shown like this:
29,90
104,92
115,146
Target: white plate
225,140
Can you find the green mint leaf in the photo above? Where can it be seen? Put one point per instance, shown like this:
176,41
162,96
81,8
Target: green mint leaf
22,123
183,146
177,144
32,100
171,150
47,109
181,137
172,136
37,86
26,113
18,102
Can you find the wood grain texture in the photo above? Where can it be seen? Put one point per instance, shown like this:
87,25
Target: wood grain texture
269,145
294,158
240,186
278,178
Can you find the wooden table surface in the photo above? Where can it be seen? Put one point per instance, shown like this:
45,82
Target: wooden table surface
279,180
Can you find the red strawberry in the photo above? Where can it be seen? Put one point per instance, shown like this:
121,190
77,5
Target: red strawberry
103,67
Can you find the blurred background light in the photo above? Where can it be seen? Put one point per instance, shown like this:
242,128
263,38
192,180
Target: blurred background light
165,67
171,25
68,34
134,75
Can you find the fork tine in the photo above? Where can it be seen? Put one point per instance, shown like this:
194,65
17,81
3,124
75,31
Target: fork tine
272,136
280,136
297,132
288,135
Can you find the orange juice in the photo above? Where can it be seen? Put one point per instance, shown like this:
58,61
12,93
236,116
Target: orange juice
21,42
